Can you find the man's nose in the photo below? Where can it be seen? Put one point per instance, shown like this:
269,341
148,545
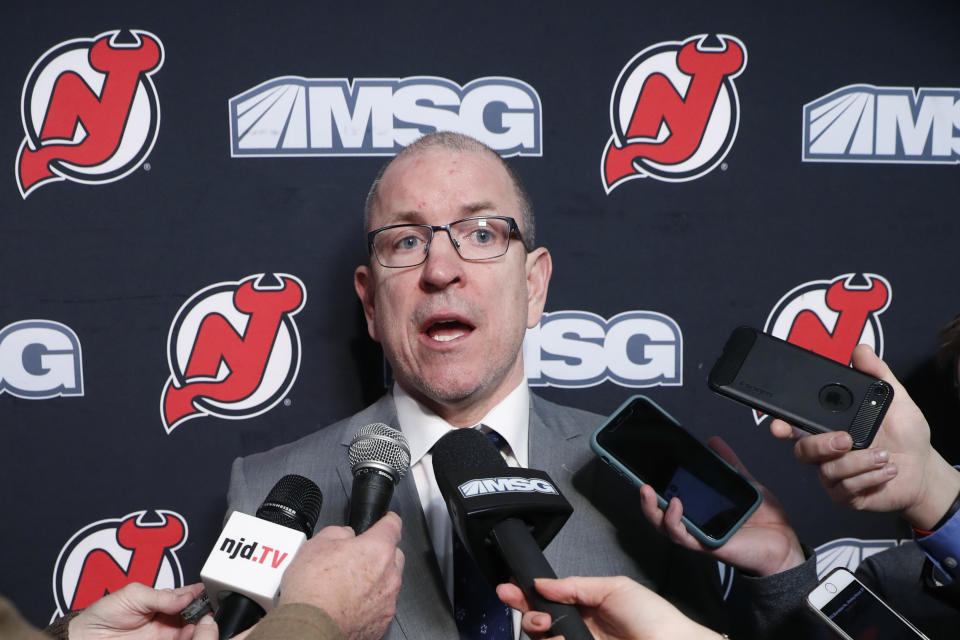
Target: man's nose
443,265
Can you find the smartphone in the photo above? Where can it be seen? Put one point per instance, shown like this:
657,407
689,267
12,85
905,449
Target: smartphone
804,388
855,612
643,443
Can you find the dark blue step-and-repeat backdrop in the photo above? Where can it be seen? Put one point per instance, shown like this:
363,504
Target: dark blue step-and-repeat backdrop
184,184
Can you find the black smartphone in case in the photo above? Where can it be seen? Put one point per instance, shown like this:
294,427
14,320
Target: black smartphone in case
804,388
643,443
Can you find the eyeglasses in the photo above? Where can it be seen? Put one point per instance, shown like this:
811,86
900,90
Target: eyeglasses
477,238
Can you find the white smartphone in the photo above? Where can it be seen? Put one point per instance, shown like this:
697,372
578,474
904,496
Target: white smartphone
855,612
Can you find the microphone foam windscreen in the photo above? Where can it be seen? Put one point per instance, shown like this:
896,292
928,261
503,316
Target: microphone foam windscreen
466,450
293,502
380,446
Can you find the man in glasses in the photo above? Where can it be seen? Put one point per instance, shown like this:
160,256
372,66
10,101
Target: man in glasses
453,282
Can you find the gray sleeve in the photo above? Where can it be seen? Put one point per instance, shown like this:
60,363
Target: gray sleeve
239,493
773,606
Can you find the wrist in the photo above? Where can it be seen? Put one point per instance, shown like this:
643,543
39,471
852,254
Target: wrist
937,497
792,557
944,519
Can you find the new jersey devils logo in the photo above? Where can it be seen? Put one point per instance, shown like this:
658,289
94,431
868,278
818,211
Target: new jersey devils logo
110,554
831,317
233,350
674,111
89,110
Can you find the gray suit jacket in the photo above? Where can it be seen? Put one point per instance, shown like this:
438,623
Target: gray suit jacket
606,535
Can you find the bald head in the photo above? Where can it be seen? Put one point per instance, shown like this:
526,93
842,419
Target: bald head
458,143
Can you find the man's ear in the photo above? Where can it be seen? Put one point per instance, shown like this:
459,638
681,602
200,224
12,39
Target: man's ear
364,285
539,266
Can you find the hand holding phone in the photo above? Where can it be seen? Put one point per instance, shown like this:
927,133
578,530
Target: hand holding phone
646,445
855,612
799,386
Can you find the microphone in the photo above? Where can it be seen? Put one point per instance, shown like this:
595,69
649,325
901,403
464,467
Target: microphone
242,574
379,457
505,516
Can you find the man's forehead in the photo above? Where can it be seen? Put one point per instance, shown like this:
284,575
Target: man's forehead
479,180
431,159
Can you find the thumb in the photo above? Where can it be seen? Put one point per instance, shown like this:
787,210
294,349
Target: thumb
588,591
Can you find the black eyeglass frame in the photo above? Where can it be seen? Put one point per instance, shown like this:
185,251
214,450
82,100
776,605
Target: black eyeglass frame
514,229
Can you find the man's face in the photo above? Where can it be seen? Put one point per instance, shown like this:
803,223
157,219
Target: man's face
452,330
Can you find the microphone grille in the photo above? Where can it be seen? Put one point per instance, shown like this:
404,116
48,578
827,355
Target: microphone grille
380,446
466,450
293,502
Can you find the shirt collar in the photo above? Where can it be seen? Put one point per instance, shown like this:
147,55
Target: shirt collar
422,427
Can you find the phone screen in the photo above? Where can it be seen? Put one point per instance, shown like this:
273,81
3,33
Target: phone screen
662,454
863,617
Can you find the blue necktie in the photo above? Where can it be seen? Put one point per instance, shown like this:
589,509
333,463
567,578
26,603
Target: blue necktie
479,613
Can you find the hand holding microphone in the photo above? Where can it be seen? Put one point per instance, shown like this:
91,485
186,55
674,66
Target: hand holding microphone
614,608
243,571
354,579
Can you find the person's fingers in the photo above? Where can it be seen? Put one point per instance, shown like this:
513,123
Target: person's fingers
668,521
169,601
589,591
819,448
513,597
194,589
780,429
650,507
334,532
865,360
535,622
387,528
785,431
847,489
143,599
206,629
674,526
853,464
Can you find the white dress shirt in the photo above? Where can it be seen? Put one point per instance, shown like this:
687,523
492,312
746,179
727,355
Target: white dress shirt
510,418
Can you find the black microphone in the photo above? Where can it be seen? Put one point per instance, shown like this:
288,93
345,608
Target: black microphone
379,457
244,569
504,516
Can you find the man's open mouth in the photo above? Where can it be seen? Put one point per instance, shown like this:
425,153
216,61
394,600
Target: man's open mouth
447,330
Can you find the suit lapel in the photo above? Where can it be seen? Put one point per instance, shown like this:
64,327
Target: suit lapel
549,446
423,609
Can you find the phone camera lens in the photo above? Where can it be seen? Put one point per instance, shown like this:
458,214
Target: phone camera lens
835,397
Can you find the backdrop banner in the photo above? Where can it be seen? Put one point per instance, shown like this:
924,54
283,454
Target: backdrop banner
182,215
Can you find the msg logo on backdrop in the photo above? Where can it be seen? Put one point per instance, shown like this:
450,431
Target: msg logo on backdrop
576,349
89,110
674,111
863,123
292,116
233,349
40,359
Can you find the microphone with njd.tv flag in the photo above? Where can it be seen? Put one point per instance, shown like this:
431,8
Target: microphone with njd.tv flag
242,574
504,516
